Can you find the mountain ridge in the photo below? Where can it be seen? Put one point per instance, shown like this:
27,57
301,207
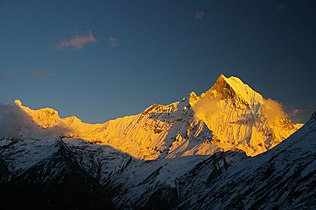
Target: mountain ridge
190,154
232,113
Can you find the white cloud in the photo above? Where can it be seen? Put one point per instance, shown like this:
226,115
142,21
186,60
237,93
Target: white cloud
13,120
199,15
78,41
273,110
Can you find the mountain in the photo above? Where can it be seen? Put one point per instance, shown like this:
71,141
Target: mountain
228,116
168,156
282,178
241,118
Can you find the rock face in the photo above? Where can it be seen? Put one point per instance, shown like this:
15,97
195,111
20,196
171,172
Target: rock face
190,154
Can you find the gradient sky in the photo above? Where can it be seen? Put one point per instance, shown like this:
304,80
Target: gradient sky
100,60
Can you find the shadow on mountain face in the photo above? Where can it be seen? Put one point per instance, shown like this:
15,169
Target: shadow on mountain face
56,182
66,179
72,192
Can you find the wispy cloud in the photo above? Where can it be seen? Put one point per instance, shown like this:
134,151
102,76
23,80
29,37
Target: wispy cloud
295,111
282,6
295,115
199,15
17,76
41,74
78,41
113,41
273,110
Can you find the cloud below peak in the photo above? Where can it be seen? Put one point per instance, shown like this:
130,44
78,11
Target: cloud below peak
77,42
273,110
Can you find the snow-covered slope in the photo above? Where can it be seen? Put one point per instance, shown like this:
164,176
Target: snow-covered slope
170,155
228,116
241,118
160,131
51,176
283,178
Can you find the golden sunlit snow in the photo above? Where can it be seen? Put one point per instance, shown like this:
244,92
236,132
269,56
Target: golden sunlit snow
229,116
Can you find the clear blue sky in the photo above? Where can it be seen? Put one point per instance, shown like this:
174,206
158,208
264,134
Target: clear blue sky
100,60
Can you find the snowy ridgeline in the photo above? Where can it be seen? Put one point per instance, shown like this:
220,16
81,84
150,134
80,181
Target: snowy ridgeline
189,154
229,116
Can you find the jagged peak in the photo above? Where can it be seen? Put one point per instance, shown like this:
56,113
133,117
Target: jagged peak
312,119
222,76
233,86
45,117
18,102
27,109
159,108
193,98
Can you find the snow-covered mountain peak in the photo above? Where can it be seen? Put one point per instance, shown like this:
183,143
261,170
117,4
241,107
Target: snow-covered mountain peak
43,154
229,116
18,102
192,98
45,117
240,118
233,87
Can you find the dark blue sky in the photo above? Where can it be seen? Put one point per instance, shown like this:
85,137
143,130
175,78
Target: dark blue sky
100,60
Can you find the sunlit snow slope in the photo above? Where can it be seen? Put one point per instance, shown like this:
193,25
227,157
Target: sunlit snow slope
229,116
281,178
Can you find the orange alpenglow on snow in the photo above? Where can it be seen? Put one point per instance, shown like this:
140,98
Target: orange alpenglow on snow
229,116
